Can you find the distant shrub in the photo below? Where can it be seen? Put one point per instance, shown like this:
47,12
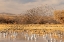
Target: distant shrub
38,15
59,16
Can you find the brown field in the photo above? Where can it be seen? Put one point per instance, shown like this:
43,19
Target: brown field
32,26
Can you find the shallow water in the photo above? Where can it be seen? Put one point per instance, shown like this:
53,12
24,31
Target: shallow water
27,36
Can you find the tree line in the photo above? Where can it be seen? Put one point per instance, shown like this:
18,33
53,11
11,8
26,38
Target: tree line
37,15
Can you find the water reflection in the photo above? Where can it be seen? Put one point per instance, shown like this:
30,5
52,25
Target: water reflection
32,35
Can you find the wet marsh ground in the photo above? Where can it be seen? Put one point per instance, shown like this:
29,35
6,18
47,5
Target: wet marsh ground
32,33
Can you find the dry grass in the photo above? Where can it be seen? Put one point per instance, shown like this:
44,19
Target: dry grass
32,26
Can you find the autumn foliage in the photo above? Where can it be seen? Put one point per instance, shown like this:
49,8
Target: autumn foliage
59,16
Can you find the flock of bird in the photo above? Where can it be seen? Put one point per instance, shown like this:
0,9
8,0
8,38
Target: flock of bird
47,37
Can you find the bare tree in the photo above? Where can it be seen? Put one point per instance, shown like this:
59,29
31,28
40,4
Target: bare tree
36,15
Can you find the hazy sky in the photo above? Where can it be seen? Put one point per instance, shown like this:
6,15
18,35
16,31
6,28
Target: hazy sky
19,6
